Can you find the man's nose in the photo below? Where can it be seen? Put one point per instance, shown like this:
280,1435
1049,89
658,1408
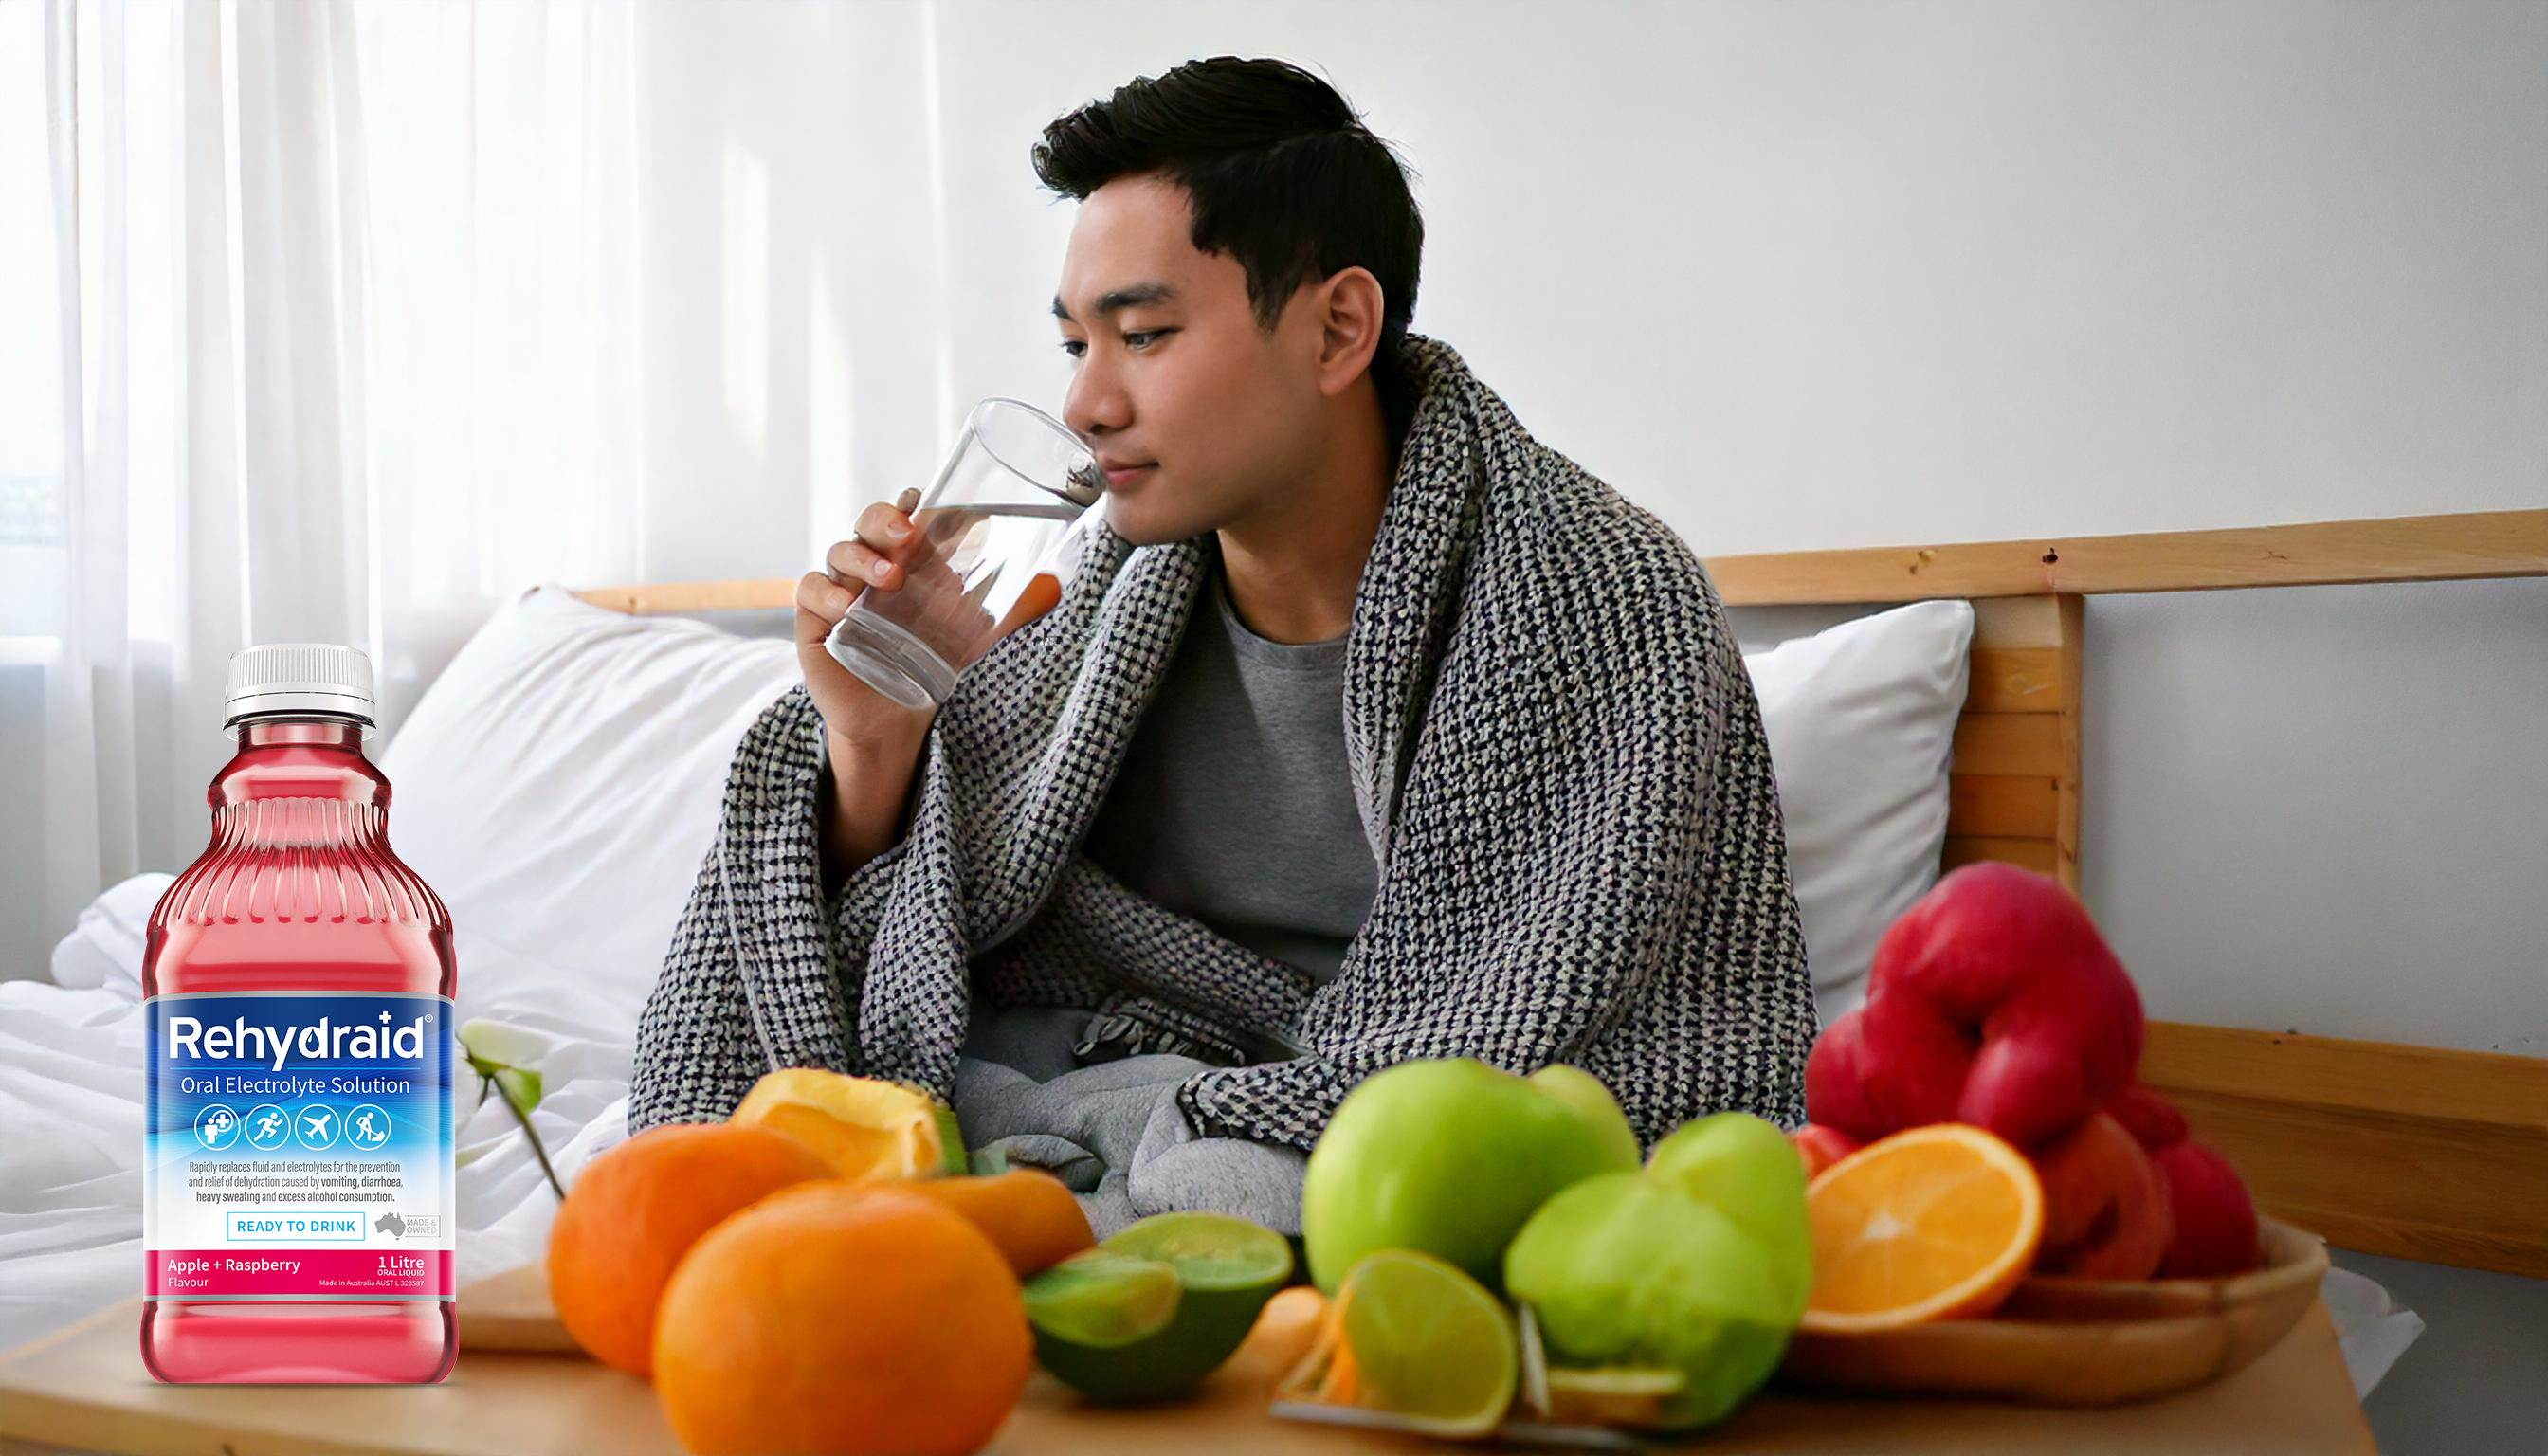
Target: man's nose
1096,404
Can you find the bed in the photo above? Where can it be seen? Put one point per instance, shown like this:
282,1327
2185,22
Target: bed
602,718
2319,1125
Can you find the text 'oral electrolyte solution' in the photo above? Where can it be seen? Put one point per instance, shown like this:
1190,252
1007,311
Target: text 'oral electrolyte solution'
296,1193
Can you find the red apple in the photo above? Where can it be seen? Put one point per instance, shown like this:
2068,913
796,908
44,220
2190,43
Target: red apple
2214,1221
1888,1065
1992,1001
1821,1147
2153,1123
2105,1212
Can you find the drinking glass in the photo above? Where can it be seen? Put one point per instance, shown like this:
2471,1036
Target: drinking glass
1000,532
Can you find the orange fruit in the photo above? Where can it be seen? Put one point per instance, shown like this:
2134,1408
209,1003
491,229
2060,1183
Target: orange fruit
1300,1335
1027,1212
863,1126
1285,1332
1934,1222
636,1209
1342,1382
842,1317
1041,594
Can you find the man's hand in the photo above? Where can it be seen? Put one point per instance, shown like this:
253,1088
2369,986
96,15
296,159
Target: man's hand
873,742
852,709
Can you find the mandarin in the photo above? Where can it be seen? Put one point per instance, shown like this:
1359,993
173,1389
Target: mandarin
636,1209
1029,1215
842,1317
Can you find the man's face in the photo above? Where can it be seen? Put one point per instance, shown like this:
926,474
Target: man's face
1170,369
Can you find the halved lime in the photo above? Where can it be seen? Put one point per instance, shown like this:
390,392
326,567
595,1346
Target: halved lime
1428,1343
1210,1250
1102,1299
1224,1270
1615,1395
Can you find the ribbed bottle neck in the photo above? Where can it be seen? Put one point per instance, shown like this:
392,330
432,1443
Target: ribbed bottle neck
316,731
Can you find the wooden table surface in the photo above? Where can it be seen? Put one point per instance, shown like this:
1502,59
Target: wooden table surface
84,1387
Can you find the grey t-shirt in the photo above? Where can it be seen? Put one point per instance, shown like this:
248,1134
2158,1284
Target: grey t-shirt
1233,805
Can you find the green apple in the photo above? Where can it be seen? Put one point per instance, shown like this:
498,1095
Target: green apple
1584,1092
1450,1157
1702,1263
1749,1171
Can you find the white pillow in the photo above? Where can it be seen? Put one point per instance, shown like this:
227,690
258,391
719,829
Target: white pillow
1861,723
559,782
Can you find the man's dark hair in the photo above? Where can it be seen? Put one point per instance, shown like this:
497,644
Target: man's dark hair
1283,177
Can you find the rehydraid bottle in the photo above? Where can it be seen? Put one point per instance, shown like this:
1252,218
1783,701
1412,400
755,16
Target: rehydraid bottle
297,1188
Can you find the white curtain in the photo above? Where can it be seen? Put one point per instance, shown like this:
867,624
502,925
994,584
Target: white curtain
317,322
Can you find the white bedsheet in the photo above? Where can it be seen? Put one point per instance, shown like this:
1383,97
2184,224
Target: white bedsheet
70,1098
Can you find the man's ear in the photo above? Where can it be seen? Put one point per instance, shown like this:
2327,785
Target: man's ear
1348,307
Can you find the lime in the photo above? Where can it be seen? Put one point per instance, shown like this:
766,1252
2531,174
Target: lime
1618,1395
1428,1343
1102,1299
1098,1325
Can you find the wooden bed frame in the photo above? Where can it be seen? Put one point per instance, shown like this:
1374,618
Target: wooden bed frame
2386,1148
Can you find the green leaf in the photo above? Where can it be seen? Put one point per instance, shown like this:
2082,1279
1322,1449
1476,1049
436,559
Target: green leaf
488,1043
522,1087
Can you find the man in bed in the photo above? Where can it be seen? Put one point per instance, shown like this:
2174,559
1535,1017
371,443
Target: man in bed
1374,730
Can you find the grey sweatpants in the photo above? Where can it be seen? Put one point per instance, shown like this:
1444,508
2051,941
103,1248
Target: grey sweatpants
1112,1131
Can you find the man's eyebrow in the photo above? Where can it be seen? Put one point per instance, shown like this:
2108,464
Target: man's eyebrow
1121,298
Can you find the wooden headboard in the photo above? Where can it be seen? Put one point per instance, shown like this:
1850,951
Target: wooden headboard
2417,1151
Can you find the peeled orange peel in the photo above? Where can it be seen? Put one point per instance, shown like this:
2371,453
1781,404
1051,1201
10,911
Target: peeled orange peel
864,1127
1286,1331
1938,1221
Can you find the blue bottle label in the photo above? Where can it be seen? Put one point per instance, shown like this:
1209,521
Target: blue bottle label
299,1146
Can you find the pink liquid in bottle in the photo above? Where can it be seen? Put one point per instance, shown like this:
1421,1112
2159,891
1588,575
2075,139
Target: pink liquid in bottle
298,1177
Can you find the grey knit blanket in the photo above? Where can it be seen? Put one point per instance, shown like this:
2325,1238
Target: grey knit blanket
1560,768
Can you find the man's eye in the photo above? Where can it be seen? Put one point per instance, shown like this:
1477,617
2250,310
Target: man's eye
1138,339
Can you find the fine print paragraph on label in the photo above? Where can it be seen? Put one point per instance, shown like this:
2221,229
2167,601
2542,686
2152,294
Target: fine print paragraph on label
250,1181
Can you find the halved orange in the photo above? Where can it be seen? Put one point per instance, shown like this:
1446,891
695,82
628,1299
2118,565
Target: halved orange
1934,1222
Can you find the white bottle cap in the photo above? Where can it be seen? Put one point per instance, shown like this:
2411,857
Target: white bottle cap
289,678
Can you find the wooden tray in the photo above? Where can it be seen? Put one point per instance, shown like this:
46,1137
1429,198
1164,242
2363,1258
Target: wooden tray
2083,1341
511,1311
83,1386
